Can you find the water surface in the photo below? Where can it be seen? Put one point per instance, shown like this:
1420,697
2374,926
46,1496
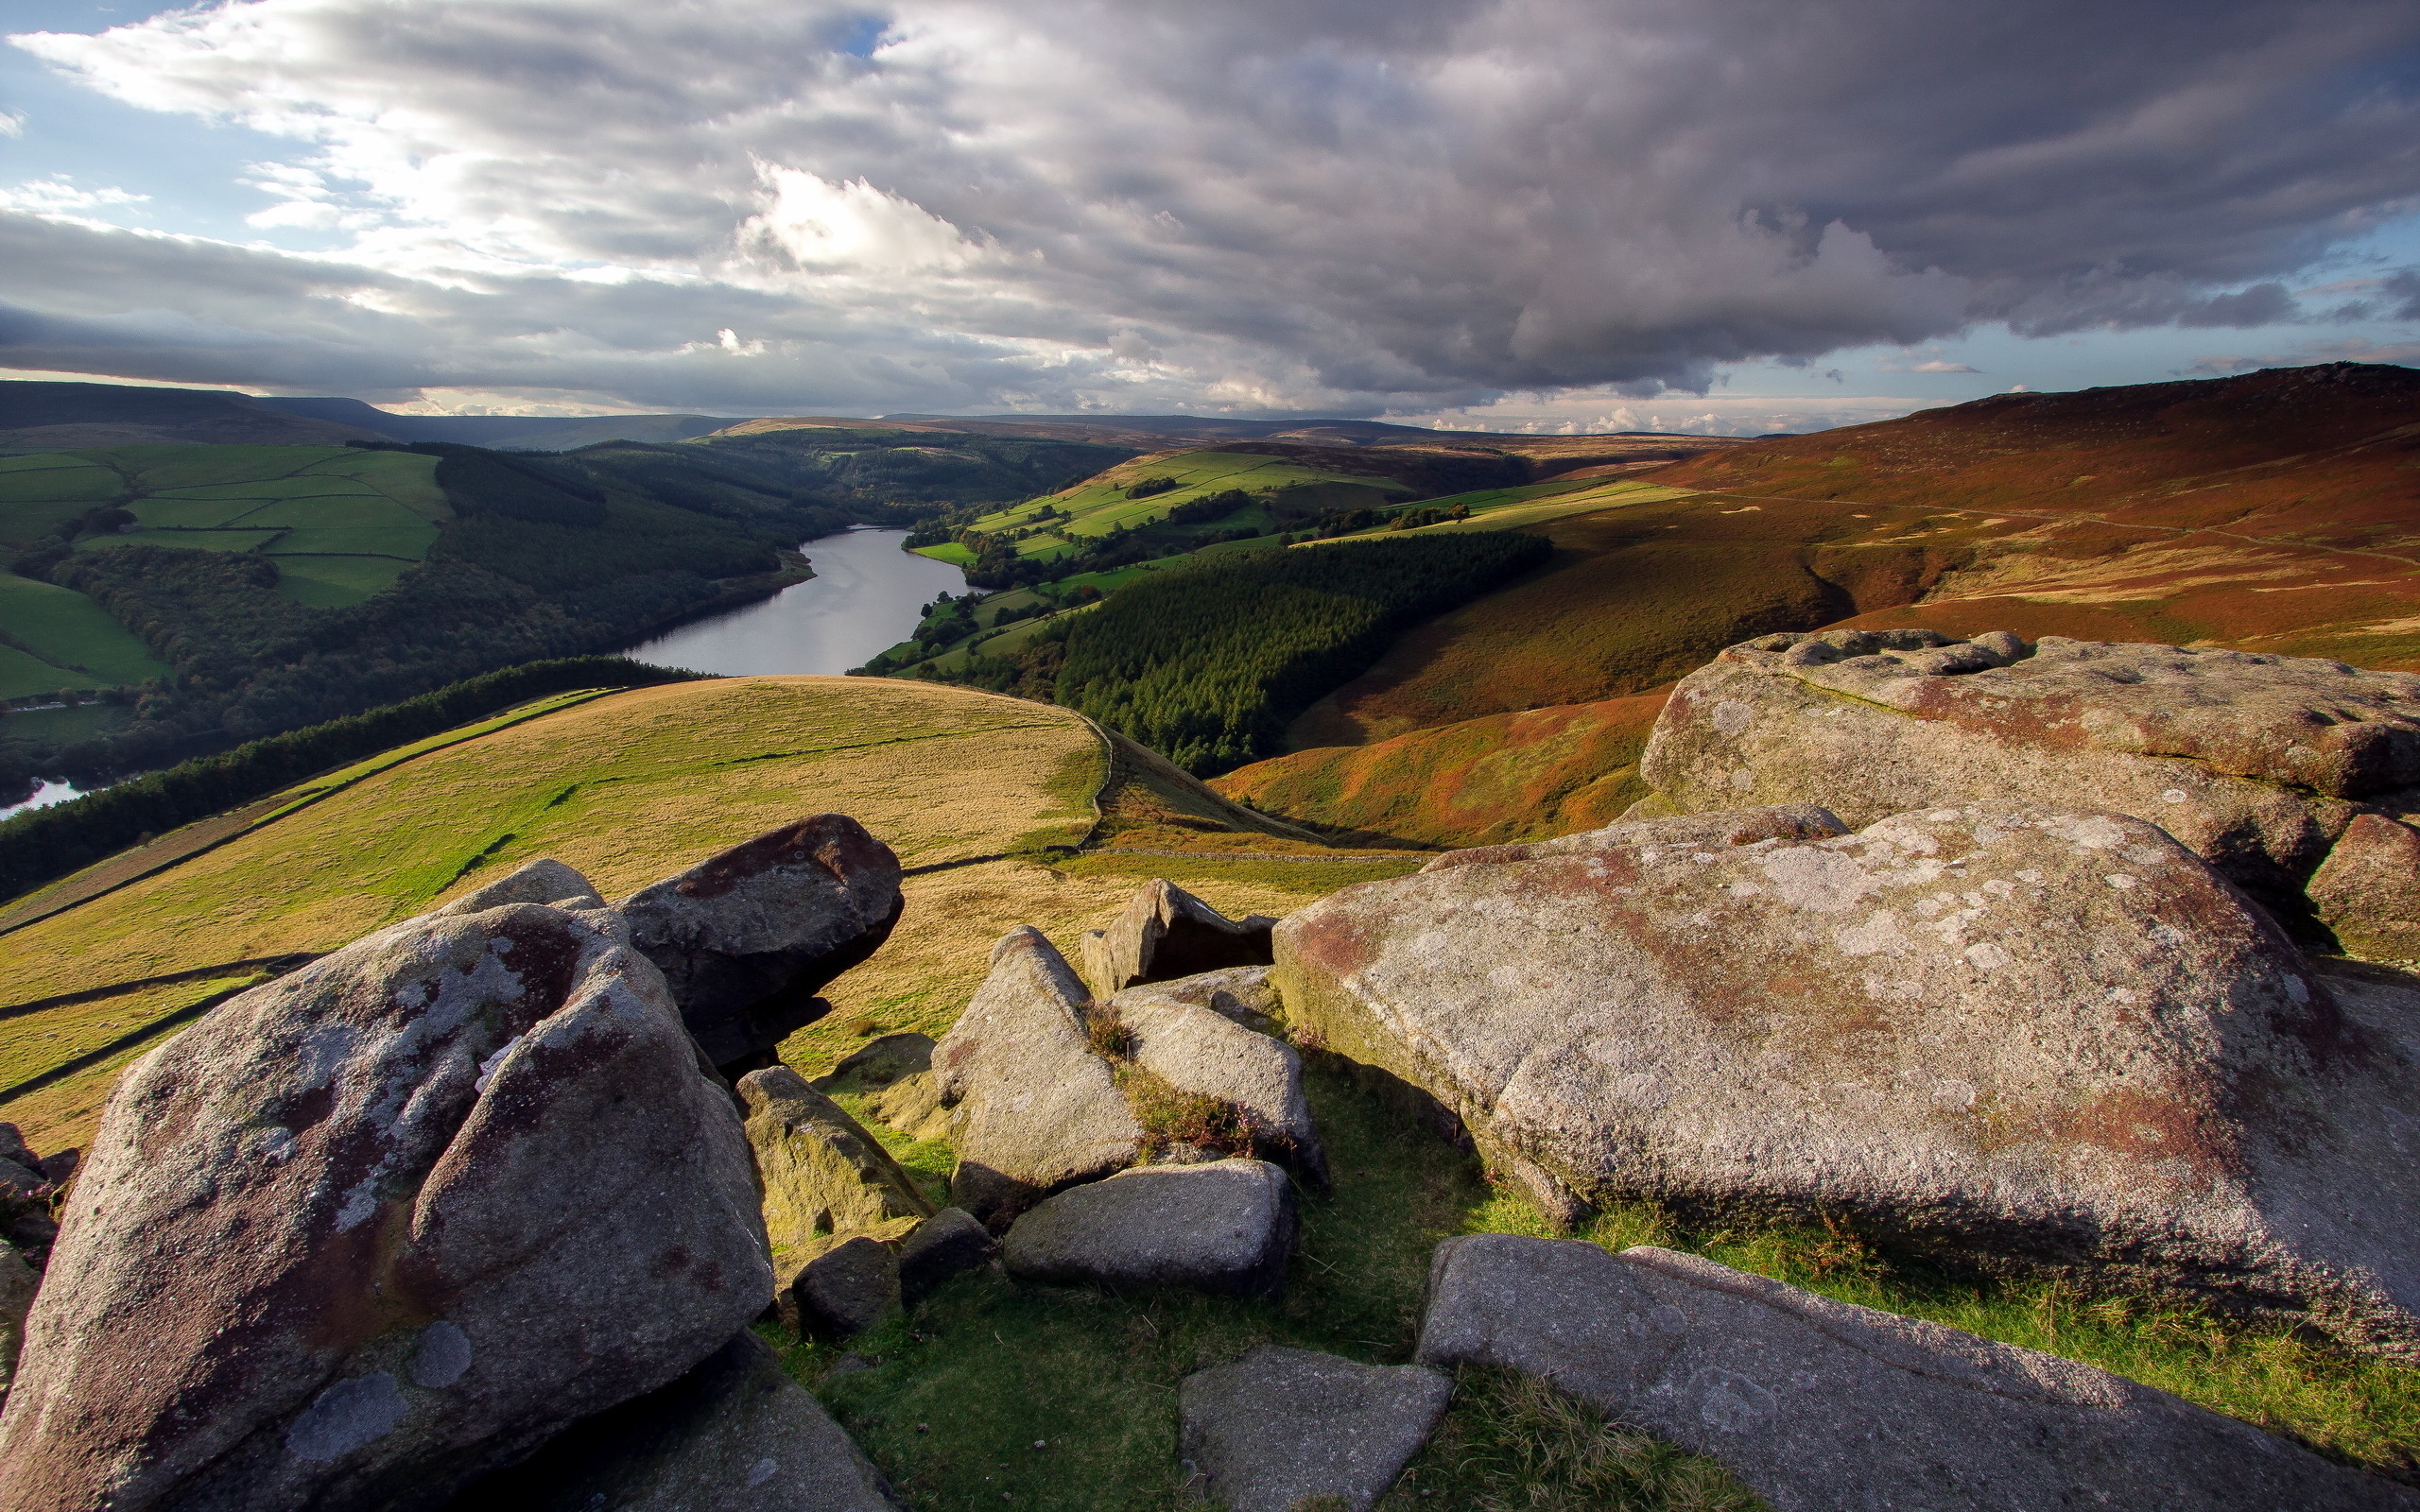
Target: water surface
45,794
866,596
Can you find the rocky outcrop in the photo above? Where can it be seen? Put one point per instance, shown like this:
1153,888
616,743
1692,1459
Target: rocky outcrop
1727,826
365,1232
1816,1405
1198,1050
17,1282
1280,1426
2367,892
2257,763
1247,994
734,1434
747,937
1803,1028
1033,1107
1226,1228
1166,933
822,1173
944,1246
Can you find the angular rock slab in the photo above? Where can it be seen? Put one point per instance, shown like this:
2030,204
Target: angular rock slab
1226,1226
1247,994
1816,1405
369,1230
2018,1036
2248,759
1165,933
2367,891
1197,1049
945,1246
821,1171
838,1287
745,937
1281,1425
1033,1107
734,1434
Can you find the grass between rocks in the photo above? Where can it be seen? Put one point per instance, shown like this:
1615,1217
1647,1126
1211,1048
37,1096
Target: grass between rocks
951,1403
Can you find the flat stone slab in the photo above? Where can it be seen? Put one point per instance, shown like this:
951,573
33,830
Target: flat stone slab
1226,1226
1197,1049
1819,1405
1280,1425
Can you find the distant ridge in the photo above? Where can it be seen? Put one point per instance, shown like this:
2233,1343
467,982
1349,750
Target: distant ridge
38,415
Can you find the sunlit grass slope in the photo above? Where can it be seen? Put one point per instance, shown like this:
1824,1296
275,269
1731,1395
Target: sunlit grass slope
627,788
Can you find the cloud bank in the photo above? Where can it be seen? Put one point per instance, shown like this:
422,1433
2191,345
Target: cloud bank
751,205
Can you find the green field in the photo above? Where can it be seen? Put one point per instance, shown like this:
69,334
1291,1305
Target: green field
60,640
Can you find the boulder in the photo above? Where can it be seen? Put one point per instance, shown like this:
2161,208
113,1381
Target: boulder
734,1434
912,1104
542,881
841,1285
1033,1107
879,1063
371,1229
1816,1405
2367,892
822,1173
13,1148
1196,1049
1724,826
1247,994
1165,933
745,938
17,1284
2257,762
1282,1425
1226,1226
2014,1037
945,1246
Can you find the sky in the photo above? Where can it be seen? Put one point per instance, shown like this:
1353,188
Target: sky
1547,215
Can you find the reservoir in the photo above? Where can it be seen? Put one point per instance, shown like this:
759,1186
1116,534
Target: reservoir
866,596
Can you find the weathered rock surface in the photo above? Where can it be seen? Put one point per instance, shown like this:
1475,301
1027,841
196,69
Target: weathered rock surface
1816,1405
841,1285
1281,1425
1196,1049
369,1230
912,1104
1226,1226
879,1063
1724,826
1166,933
745,938
2367,892
1033,1107
1247,994
822,1173
2022,1036
542,881
945,1246
2254,761
17,1282
734,1434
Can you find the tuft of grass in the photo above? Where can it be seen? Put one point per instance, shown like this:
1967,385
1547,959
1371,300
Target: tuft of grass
1512,1443
1172,1116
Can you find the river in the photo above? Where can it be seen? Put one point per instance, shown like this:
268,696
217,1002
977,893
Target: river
866,596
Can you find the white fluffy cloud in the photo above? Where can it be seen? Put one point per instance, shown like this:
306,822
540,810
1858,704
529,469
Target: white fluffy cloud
753,204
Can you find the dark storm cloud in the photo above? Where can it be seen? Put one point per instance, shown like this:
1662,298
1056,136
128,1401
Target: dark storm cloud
1245,204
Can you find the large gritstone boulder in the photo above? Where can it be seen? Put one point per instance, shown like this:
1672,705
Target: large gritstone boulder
747,937
1280,1426
1198,1050
1703,832
1227,1227
822,1173
734,1434
2367,892
2257,763
1165,933
1818,1405
1033,1107
367,1230
2023,1037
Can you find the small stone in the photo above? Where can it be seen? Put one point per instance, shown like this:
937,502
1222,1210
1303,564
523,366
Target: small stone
948,1244
842,1287
1282,1426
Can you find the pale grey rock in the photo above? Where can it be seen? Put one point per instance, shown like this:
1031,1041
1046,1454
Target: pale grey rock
734,1434
1164,933
2249,758
1197,1049
1817,1405
822,1173
2016,1036
1033,1107
945,1246
1724,826
745,937
1226,1226
473,1148
1281,1425
2367,891
1247,994
542,881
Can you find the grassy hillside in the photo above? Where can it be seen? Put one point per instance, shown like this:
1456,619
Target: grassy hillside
43,416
